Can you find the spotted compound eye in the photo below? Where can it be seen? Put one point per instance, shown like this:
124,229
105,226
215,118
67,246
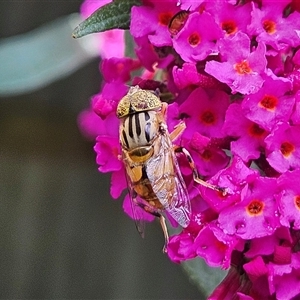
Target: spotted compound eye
137,100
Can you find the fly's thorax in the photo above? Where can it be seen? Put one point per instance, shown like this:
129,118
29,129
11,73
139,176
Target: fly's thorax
138,130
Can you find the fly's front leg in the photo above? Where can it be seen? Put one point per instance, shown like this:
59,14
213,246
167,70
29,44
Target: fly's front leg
178,129
196,174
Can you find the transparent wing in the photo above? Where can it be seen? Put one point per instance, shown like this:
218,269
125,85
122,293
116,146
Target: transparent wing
164,174
139,215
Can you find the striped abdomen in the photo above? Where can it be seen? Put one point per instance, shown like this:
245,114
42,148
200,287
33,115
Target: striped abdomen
138,130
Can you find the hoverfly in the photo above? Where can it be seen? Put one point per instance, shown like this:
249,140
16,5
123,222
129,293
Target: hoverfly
154,179
177,22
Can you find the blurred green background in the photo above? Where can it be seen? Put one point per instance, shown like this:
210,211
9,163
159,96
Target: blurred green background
61,235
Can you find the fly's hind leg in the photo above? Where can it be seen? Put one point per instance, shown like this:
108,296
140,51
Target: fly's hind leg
196,176
162,221
163,225
178,130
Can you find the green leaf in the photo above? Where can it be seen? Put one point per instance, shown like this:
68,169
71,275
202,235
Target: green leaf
32,60
204,277
129,49
113,15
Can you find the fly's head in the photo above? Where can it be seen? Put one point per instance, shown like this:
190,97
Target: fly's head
138,100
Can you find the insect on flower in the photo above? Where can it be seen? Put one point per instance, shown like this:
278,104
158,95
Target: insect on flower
177,22
154,180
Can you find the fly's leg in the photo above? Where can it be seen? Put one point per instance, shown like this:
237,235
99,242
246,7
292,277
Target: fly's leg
162,221
196,174
163,225
178,130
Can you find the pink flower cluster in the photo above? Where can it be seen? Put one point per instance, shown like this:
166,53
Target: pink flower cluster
233,70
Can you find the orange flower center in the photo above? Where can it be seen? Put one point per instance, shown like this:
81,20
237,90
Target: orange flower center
297,201
256,131
208,117
229,26
269,26
255,208
243,68
194,39
269,102
287,148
